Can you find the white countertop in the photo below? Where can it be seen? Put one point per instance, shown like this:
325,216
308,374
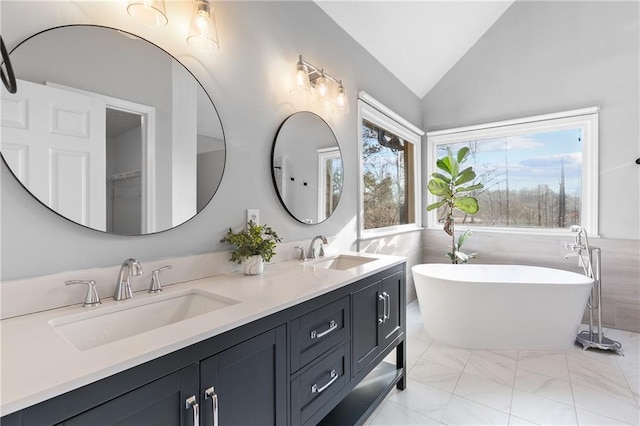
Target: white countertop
37,363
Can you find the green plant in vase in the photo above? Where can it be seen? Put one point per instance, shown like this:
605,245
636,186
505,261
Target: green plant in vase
254,245
449,185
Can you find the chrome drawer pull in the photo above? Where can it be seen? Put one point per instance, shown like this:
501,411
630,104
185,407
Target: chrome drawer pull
332,327
211,393
191,403
334,377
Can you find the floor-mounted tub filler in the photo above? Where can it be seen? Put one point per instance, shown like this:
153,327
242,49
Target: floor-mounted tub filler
508,307
589,258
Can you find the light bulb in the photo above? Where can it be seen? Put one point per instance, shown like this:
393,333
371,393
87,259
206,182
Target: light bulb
342,100
322,85
202,31
301,84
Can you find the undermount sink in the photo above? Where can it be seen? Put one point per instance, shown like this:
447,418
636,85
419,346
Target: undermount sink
106,325
341,262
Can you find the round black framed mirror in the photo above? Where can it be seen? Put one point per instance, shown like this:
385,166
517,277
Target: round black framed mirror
306,167
110,131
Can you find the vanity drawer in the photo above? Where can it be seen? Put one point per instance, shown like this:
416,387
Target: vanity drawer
313,388
318,331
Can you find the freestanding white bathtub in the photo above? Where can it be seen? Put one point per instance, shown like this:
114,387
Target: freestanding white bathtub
507,307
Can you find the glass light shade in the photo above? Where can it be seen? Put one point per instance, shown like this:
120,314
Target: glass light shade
322,92
203,34
301,85
149,12
341,104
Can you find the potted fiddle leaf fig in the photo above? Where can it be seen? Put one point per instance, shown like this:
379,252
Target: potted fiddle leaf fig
254,245
449,185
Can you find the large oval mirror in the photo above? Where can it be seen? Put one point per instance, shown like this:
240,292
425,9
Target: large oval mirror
110,131
306,167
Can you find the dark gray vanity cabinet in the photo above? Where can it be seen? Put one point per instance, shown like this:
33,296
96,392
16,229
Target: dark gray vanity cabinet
243,385
317,362
378,315
157,403
246,384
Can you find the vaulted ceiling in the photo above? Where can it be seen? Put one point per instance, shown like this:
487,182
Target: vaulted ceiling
417,41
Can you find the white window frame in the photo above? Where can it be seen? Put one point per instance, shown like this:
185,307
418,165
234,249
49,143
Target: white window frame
324,154
377,113
586,119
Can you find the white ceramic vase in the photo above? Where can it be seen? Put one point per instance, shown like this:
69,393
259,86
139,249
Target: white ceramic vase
253,265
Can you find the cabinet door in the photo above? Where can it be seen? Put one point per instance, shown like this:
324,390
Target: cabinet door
247,383
393,293
161,402
366,309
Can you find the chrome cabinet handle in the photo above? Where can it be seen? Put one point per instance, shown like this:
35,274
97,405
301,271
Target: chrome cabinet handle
316,389
384,308
211,393
332,327
387,305
191,403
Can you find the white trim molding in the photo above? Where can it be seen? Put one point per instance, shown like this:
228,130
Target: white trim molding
379,106
372,110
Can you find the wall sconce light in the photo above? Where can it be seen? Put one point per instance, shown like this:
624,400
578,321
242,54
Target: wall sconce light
301,84
203,34
308,78
149,12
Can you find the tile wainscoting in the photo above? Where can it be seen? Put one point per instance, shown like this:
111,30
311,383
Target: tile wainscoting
408,244
620,265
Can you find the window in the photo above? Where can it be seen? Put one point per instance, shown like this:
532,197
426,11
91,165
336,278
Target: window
389,171
539,173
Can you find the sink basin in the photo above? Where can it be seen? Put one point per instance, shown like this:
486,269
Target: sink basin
106,325
341,262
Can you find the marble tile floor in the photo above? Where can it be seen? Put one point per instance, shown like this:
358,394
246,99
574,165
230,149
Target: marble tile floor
451,386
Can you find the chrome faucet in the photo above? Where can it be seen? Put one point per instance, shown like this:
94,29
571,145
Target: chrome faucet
312,249
123,286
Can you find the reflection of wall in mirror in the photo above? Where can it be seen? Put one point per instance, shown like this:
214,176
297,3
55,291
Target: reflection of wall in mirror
302,184
211,155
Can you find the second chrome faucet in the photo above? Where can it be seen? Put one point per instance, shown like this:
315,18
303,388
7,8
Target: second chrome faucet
312,248
130,267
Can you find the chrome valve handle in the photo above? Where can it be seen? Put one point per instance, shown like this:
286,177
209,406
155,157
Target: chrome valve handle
91,298
156,286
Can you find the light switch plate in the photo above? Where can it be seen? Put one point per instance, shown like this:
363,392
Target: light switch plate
253,215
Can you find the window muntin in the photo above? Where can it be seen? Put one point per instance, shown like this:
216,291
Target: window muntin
548,163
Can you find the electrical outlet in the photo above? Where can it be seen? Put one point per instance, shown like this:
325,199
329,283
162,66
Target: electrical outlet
253,215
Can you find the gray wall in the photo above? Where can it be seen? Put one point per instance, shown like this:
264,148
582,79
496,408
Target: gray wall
248,79
542,57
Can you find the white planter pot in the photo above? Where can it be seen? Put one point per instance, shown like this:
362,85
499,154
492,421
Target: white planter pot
254,265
